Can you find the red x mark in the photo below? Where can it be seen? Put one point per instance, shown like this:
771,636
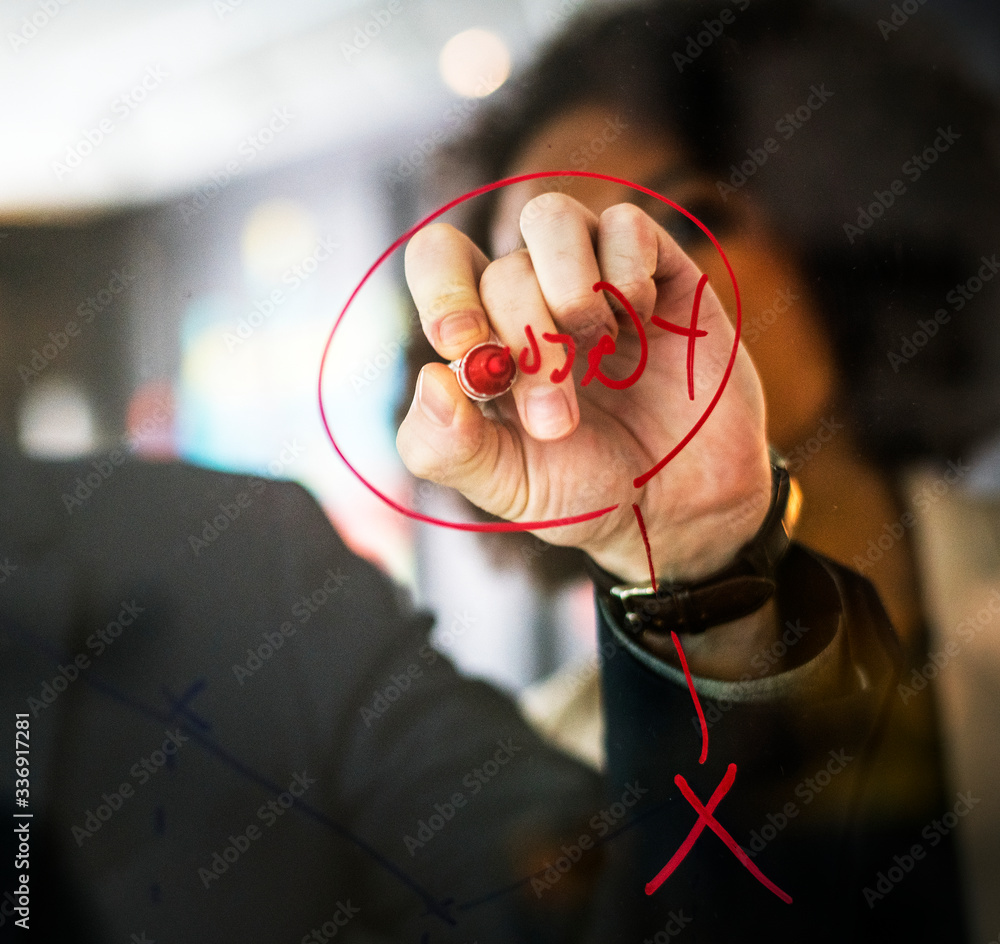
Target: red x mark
705,818
692,332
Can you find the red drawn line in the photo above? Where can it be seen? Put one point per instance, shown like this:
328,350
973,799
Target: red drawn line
694,327
691,332
694,698
677,329
606,345
532,364
685,847
645,541
472,194
731,843
560,374
677,643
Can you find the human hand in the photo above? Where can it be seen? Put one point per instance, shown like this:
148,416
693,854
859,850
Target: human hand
556,450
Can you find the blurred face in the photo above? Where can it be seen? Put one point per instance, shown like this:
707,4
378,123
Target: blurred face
780,327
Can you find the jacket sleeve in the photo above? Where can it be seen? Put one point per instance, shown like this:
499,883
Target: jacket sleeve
836,785
324,759
240,731
451,799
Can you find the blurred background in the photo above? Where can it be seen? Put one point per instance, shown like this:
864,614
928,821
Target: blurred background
189,193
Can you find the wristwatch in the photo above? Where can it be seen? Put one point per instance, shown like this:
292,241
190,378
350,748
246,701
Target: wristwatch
737,590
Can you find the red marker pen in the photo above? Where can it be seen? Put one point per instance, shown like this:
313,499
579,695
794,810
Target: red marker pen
485,372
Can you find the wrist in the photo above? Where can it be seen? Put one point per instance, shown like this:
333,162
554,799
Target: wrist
725,652
706,540
794,628
726,595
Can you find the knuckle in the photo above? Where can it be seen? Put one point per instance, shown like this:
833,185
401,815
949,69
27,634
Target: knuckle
637,290
432,240
626,221
629,248
548,207
504,272
574,304
626,216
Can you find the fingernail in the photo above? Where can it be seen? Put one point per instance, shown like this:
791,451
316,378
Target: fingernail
548,413
434,400
458,330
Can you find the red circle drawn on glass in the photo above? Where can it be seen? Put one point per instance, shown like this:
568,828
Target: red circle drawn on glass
550,522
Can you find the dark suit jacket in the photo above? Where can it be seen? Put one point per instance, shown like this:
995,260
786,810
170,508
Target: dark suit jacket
238,732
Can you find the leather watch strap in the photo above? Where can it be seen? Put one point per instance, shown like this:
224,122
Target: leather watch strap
737,590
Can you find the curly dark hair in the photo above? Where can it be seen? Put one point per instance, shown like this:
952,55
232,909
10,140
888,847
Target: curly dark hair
891,97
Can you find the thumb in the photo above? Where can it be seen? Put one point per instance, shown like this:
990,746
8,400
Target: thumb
446,439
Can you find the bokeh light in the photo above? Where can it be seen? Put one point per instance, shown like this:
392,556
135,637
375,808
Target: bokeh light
474,63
